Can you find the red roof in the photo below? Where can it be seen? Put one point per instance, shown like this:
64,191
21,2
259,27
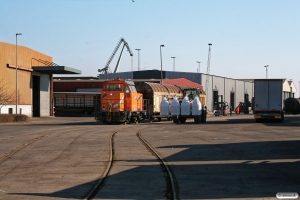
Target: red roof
182,82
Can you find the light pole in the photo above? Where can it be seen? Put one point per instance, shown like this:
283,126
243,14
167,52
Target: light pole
299,89
161,76
131,63
17,71
138,59
173,63
199,66
266,71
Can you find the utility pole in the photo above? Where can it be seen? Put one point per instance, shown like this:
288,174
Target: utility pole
17,71
207,72
138,59
266,71
131,63
161,75
199,66
173,63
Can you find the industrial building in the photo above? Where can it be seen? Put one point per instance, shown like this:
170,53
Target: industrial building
217,88
26,77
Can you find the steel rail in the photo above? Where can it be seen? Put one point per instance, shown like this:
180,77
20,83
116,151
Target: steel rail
22,146
30,133
164,164
96,187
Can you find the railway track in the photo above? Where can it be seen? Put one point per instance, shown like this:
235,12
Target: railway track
22,146
26,134
96,186
171,189
171,192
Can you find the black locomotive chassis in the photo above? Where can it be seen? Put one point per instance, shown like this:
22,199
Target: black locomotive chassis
121,117
125,117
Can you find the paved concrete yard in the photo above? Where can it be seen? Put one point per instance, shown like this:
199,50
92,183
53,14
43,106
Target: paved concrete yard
229,157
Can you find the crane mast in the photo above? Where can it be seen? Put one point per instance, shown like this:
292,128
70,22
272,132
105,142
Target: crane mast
208,69
106,69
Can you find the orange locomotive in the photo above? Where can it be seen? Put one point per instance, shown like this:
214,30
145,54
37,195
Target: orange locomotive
120,102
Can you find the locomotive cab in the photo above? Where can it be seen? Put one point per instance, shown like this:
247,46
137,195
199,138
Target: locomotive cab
120,102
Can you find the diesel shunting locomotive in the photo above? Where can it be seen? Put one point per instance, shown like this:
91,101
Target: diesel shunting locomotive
123,101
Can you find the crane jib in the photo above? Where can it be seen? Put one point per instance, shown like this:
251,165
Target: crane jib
106,70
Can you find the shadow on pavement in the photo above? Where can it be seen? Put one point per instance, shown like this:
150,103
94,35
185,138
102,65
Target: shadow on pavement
235,170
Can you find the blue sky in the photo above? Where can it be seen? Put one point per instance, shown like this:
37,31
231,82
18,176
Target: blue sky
245,35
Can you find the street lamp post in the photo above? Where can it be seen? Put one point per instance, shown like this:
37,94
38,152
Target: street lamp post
138,59
173,63
199,66
131,63
17,71
266,71
161,76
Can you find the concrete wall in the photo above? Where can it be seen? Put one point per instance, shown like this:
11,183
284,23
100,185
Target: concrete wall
239,92
44,95
286,87
226,86
26,109
249,89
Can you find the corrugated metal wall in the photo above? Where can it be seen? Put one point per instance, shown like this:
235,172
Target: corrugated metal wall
65,86
121,75
153,74
8,75
148,74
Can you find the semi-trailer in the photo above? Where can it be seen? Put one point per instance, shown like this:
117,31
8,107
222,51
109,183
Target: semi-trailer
267,101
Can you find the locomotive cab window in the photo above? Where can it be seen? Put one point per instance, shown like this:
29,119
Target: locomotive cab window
132,88
127,89
114,87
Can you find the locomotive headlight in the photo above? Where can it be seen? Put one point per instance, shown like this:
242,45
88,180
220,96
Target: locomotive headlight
110,94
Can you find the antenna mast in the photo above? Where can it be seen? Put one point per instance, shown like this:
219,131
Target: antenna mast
207,71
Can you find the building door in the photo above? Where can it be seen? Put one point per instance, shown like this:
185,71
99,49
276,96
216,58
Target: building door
35,96
246,98
215,99
232,100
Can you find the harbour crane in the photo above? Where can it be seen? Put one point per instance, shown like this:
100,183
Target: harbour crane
106,69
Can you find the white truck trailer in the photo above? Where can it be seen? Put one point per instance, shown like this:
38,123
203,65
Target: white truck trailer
267,103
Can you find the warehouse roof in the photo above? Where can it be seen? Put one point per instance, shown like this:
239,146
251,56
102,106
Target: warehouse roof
56,70
182,82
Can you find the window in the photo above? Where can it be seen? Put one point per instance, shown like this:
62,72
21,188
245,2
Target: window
113,87
132,88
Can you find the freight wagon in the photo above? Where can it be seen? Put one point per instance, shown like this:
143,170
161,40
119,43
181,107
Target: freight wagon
74,103
154,93
267,101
